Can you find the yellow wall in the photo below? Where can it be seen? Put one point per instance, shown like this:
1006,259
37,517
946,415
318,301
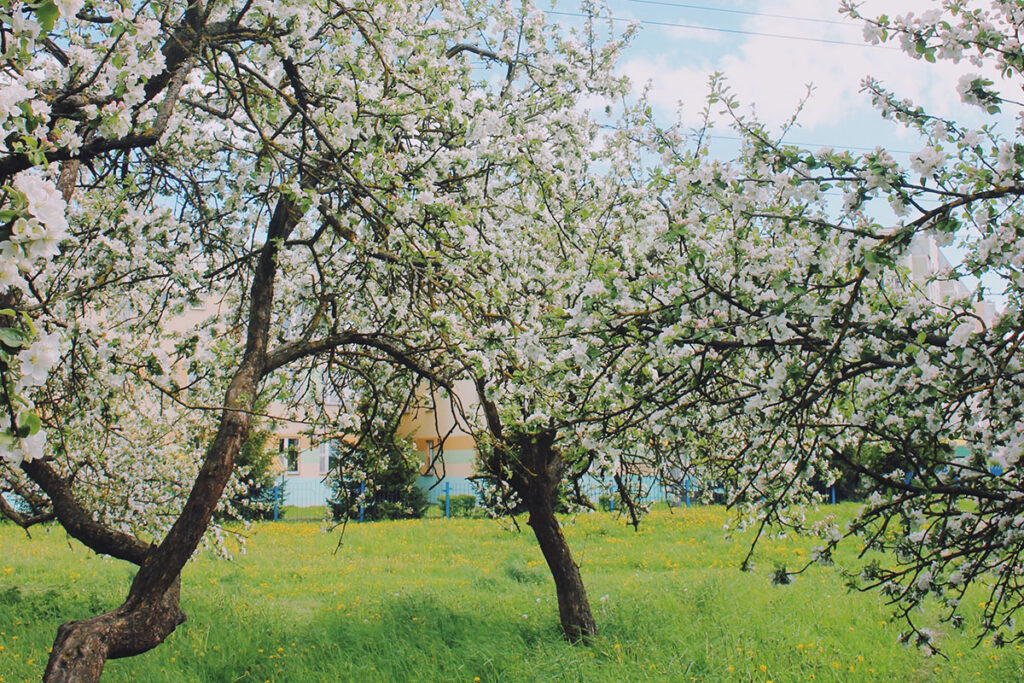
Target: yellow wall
436,417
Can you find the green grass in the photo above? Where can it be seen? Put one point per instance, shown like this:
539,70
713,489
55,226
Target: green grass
308,513
466,599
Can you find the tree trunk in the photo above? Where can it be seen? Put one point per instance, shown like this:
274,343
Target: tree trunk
83,647
150,613
573,607
537,474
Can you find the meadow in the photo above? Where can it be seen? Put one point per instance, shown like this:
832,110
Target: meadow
471,600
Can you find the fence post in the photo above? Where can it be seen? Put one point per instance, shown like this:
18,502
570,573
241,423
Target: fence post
447,500
362,508
833,494
686,485
611,500
277,498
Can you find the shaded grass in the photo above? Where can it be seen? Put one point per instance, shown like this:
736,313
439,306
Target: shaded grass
465,599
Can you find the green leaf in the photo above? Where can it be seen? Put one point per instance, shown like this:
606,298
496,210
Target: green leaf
30,422
27,320
12,337
47,15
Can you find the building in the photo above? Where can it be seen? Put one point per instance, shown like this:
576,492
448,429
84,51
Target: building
433,425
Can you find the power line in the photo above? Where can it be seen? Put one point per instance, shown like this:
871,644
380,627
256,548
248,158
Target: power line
704,8
797,143
718,29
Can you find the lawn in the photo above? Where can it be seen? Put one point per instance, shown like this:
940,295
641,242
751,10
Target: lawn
470,600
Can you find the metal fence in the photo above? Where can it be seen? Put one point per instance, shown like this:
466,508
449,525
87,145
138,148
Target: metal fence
308,498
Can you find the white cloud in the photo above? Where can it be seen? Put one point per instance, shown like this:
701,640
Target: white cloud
772,73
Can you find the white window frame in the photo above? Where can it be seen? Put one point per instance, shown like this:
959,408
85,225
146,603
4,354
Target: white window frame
325,457
285,447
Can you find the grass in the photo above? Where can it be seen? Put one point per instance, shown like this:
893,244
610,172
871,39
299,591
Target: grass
307,513
467,600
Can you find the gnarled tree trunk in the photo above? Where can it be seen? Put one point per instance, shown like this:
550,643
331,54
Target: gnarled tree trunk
534,469
83,647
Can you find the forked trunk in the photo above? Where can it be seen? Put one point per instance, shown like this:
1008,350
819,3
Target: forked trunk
536,468
538,472
151,611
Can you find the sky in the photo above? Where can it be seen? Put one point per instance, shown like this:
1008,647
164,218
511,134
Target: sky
769,52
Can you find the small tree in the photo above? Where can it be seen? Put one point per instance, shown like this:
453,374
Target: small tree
259,489
391,488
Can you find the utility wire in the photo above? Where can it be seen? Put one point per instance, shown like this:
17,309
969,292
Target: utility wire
718,29
803,144
704,8
807,145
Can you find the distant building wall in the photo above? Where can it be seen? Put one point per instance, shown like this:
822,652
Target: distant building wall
440,434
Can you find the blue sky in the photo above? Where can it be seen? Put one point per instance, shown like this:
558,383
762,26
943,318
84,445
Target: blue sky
770,50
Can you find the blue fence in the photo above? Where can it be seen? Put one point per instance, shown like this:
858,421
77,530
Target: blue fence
452,486
303,492
306,498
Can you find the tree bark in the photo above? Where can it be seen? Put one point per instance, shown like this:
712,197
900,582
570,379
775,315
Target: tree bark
82,648
573,607
537,474
534,469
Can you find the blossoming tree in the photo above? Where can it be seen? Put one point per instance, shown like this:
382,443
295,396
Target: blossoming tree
847,361
744,327
416,184
304,165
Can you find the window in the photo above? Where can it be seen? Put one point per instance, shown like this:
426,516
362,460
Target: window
334,453
289,453
430,453
325,455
